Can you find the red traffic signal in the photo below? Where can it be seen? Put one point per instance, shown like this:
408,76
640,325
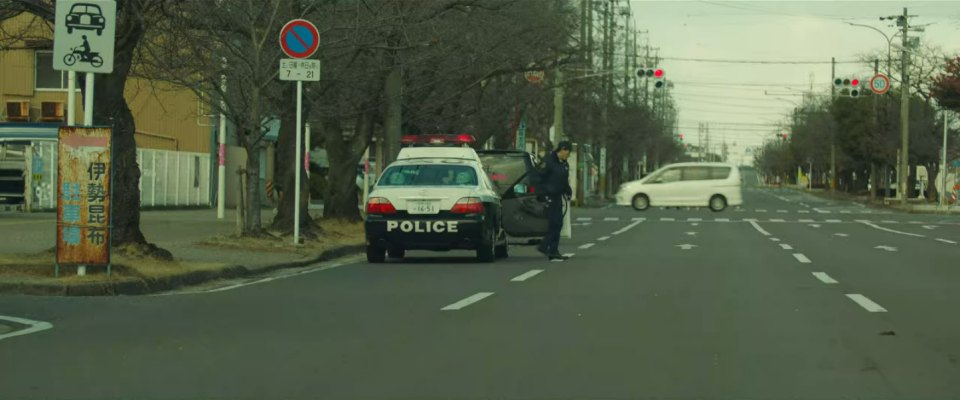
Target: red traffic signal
658,73
855,82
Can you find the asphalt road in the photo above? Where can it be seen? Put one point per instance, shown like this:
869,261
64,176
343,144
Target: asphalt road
790,296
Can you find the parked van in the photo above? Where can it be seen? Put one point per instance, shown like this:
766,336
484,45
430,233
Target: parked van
714,185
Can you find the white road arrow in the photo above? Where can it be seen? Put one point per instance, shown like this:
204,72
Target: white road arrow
686,246
887,248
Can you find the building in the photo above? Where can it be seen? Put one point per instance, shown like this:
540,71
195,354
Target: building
175,133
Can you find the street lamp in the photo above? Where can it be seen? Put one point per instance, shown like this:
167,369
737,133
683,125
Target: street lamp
888,38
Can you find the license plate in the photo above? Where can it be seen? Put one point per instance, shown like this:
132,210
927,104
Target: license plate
423,207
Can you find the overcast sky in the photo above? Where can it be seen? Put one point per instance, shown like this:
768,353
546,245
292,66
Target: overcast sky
724,94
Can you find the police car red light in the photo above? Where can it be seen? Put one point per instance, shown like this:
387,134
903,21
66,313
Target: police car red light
461,139
380,206
468,205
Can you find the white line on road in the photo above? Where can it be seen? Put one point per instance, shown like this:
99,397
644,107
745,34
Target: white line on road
602,238
694,219
782,211
821,211
586,246
33,326
775,239
777,220
611,219
807,220
665,219
875,226
262,280
814,225
866,303
804,211
840,234
759,229
823,277
627,228
786,246
946,241
761,210
845,212
802,258
722,219
691,233
584,219
929,227
638,219
834,221
695,224
467,301
526,275
889,221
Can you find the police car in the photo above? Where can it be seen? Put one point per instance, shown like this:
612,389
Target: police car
434,198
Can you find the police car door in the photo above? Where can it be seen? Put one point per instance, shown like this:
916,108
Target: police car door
510,171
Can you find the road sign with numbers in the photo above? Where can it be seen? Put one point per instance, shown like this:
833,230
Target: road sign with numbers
880,84
292,69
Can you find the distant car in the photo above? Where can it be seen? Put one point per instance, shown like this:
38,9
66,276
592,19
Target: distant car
85,16
434,199
714,185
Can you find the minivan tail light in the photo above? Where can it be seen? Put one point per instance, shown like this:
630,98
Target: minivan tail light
380,206
468,205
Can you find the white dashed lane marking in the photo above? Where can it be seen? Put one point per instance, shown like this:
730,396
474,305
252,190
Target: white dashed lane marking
467,301
786,246
823,277
602,238
866,303
586,246
802,258
526,275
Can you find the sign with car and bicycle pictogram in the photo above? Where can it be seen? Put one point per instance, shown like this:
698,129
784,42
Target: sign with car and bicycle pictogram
83,35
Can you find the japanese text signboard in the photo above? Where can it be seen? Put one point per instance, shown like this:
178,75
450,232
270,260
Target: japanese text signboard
83,198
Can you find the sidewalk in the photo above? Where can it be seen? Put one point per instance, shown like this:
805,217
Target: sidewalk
912,206
180,232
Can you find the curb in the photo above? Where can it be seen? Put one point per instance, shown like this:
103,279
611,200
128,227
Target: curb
133,286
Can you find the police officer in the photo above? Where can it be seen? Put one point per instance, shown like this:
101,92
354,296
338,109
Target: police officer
555,187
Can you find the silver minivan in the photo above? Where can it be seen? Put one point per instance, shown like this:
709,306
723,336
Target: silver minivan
695,184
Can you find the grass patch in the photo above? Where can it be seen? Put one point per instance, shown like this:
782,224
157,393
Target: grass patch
39,268
335,233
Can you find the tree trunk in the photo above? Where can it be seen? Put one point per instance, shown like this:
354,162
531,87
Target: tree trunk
251,224
874,185
340,193
393,118
284,177
111,109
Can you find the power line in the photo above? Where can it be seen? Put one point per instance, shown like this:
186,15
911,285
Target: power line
759,62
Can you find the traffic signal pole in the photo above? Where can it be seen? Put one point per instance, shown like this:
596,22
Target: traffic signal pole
833,141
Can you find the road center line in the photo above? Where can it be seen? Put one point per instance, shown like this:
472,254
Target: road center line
627,228
866,303
586,246
611,219
802,258
602,238
467,301
786,246
775,239
33,326
665,219
759,229
875,226
526,275
946,241
777,220
823,277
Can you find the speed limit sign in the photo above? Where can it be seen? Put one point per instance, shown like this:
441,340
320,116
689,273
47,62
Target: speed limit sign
880,84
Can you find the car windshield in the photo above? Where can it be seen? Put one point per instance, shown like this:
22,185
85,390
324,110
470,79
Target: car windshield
429,175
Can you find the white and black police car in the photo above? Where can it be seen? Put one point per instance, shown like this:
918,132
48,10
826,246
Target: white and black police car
436,196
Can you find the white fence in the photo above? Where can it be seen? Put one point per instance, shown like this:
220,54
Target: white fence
167,178
173,178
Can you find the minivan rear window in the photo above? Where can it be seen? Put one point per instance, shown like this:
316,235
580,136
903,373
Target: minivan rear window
719,172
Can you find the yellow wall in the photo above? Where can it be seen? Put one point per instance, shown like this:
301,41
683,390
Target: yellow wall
165,115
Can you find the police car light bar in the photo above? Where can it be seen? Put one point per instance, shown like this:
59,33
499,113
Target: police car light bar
461,139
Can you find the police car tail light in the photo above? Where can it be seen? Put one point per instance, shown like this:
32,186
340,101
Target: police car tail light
380,205
468,205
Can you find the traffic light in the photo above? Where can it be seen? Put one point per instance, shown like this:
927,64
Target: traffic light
656,74
848,86
681,136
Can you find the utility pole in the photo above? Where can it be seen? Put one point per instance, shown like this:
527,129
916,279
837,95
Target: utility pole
833,144
904,108
943,165
876,127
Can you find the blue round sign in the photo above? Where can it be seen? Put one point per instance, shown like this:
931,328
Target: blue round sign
299,38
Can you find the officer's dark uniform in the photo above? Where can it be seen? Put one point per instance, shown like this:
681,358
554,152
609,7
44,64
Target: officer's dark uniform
555,185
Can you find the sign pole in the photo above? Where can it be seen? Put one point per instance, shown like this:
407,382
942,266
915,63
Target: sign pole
71,98
222,150
88,101
296,167
943,167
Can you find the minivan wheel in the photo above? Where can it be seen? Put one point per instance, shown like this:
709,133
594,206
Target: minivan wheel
640,202
718,203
